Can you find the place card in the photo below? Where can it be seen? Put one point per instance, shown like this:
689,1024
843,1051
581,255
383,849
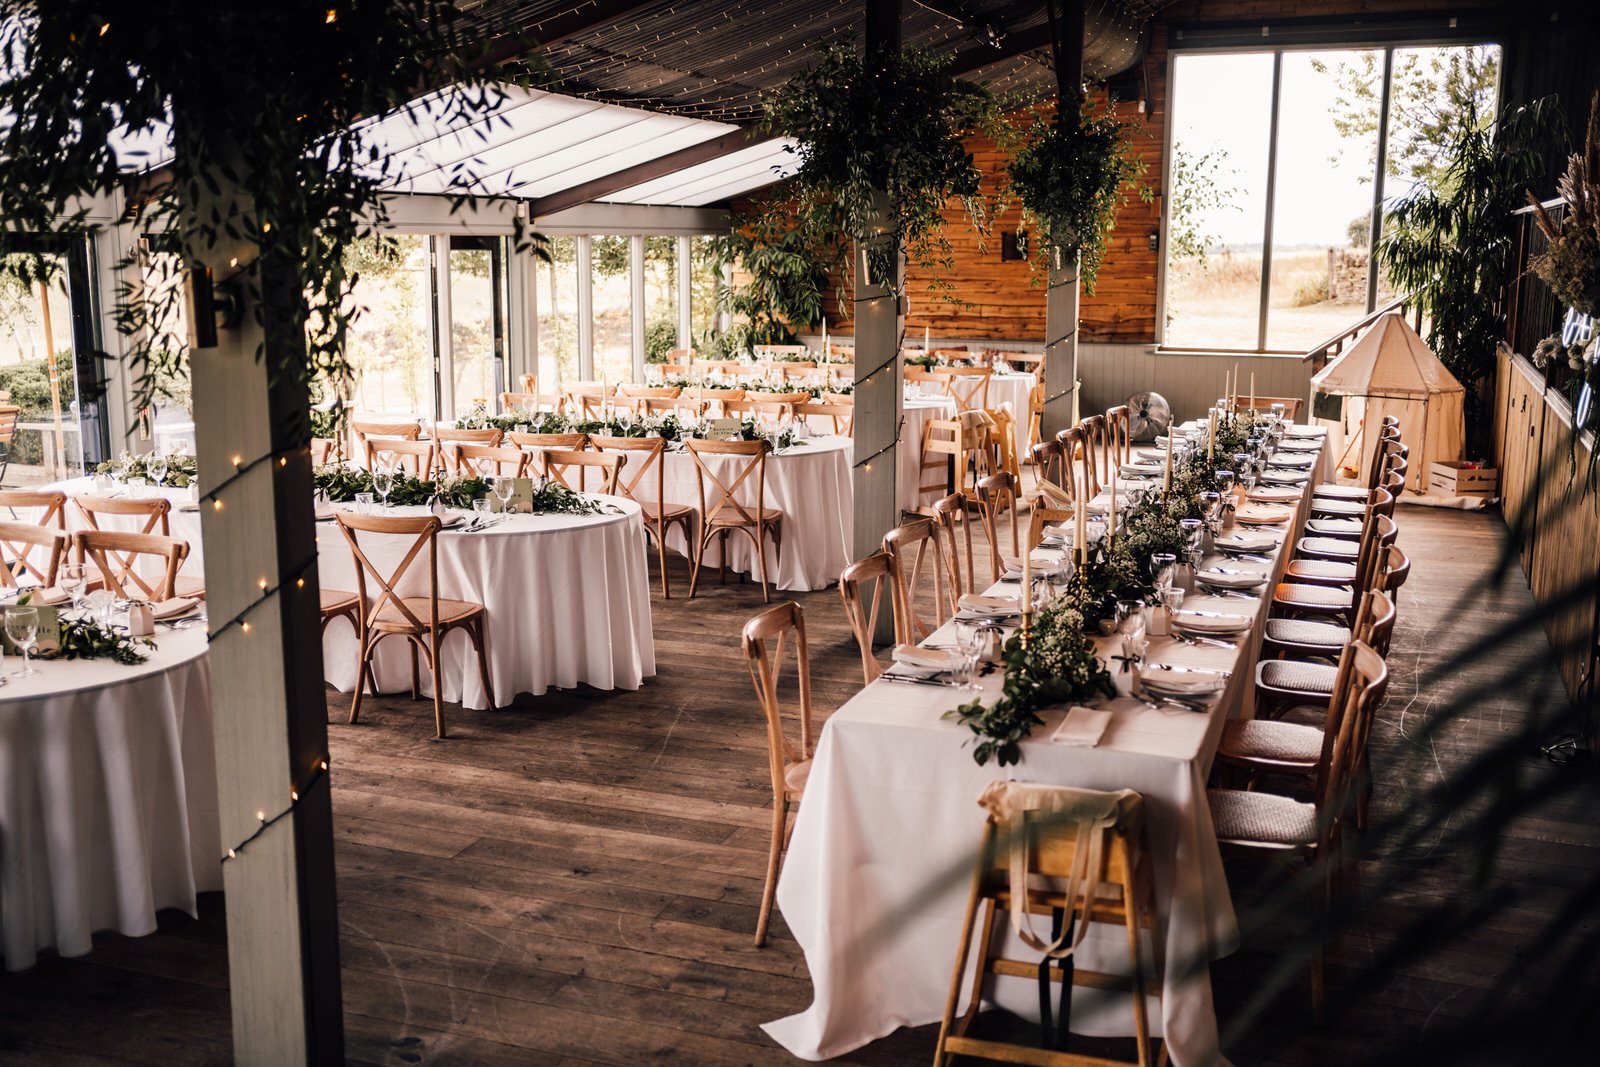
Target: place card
49,632
723,430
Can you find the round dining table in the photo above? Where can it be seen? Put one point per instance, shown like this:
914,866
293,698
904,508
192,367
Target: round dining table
567,600
108,796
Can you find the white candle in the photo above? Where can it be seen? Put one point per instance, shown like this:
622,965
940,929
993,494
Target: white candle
1111,530
927,346
1080,539
1252,390
1027,581
824,338
1234,395
1166,486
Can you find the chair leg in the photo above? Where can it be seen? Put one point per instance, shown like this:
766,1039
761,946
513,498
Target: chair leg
1141,1022
780,816
761,563
362,667
699,557
963,950
480,642
661,555
438,694
416,683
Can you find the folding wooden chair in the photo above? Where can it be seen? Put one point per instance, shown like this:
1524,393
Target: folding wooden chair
878,569
645,460
558,463
721,513
116,555
424,621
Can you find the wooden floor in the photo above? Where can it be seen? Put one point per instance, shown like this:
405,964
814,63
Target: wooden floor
576,879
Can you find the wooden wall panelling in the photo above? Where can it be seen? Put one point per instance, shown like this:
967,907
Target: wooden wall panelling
1567,519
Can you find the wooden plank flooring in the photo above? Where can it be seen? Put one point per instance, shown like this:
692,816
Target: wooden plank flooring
575,879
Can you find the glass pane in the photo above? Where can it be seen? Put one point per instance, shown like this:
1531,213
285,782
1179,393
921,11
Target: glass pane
704,279
1433,90
391,345
1217,200
36,351
660,297
1322,205
613,313
172,421
557,299
472,369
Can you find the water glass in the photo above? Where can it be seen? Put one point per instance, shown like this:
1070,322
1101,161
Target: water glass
157,466
480,507
136,488
383,483
71,579
1161,568
22,626
364,503
503,488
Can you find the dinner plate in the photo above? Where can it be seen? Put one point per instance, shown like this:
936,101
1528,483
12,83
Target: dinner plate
1273,493
1263,514
1300,444
1187,683
1134,470
1276,477
1247,541
1298,460
1210,622
994,607
1232,578
1306,431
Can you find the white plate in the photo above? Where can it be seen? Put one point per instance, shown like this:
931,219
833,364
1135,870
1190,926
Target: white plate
1273,493
1195,683
1277,477
1247,541
1263,514
1211,622
1229,579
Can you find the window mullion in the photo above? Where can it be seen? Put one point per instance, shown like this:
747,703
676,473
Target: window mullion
1272,193
1377,180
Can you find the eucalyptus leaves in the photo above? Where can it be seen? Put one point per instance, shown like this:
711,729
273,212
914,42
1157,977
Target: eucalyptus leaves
83,638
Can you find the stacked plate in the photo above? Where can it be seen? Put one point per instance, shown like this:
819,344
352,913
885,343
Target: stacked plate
911,661
1184,683
1263,514
1246,541
1209,623
974,605
1233,576
1273,493
1283,477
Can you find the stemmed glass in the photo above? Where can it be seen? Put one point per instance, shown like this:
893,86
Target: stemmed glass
383,483
71,579
968,643
1162,565
22,626
156,465
1130,624
503,488
1194,531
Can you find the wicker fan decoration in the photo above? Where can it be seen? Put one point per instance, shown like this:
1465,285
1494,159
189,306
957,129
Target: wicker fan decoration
1571,267
1149,416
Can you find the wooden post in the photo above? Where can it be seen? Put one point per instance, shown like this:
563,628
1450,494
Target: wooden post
1061,302
266,679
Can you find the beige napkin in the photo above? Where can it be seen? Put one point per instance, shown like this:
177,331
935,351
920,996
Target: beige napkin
989,605
1083,727
927,659
1221,623
46,596
1196,681
171,609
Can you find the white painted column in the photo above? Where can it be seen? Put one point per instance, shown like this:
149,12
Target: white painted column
585,307
685,292
444,367
636,302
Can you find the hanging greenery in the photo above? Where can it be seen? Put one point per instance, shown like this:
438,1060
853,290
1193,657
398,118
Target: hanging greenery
1072,173
1571,266
264,99
895,124
783,268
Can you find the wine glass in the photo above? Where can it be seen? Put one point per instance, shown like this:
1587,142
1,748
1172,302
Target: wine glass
968,643
71,579
1224,480
1161,568
156,465
383,483
503,488
22,626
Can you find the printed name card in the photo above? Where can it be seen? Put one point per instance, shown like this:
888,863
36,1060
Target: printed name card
723,430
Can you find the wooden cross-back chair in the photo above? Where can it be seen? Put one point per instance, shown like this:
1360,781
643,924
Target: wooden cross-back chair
363,431
1035,416
1066,857
18,542
660,392
1042,516
488,460
324,450
781,411
1291,404
581,398
1119,429
444,438
559,463
877,569
998,494
571,442
529,383
705,400
842,417
789,761
906,575
1096,450
677,368
1072,484
955,526
644,456
418,458
769,351
1257,821
731,367
1050,464
798,370
517,402
116,554
424,621
155,513
9,416
51,505
680,355
967,386
721,513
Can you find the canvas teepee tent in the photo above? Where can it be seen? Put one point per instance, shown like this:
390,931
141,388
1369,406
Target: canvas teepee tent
1391,371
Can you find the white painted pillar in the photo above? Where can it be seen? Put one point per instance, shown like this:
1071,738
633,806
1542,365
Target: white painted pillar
685,292
585,308
636,301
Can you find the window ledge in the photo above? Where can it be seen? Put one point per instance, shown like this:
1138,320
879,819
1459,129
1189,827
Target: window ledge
1228,353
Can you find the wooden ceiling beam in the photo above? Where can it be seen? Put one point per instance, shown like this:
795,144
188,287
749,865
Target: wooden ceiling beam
599,188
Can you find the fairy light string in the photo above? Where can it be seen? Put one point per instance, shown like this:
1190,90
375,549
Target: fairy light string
297,793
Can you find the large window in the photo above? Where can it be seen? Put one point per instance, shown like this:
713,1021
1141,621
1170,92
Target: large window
556,296
660,298
705,282
477,322
1276,164
613,310
391,341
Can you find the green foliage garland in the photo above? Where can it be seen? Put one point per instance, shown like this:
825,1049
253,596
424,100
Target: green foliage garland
83,638
180,469
1072,174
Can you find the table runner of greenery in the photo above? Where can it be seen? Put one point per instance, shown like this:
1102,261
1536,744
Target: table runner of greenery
341,484
625,424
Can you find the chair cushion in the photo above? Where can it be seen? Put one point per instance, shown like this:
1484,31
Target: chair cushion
1267,739
450,612
1335,491
1297,675
1321,568
1313,596
1329,546
1262,817
796,775
1335,527
1306,632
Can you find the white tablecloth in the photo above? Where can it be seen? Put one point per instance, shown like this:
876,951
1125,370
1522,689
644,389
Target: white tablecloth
877,874
568,599
108,797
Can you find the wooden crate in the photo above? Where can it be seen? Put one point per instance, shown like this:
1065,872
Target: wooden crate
1457,479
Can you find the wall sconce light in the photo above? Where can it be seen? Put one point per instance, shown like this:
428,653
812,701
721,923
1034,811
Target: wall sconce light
1155,241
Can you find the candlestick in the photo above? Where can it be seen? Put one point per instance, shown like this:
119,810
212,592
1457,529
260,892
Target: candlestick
1080,536
1027,583
1252,390
1111,529
1211,437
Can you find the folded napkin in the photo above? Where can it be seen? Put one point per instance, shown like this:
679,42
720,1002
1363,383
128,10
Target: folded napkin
45,596
1211,622
1193,681
1248,541
928,659
171,609
1083,727
1267,492
989,605
1266,515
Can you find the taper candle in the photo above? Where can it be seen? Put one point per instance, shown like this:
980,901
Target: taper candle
1166,486
1252,390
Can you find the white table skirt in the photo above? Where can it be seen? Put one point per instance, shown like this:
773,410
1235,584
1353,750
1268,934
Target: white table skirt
568,599
876,879
108,797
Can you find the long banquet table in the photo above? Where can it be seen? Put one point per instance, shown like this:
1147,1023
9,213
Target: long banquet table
568,599
108,797
875,882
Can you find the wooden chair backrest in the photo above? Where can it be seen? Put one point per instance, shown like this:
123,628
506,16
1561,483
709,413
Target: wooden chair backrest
680,355
421,456
764,638
488,435
1049,462
1043,516
1291,404
558,462
922,535
643,455
9,415
768,351
675,370
424,530
1003,440
1119,426
705,398
1096,453
154,510
1076,468
750,408
52,502
511,402
998,493
569,441
842,416
407,431
798,369
324,450
721,507
529,383
721,366
116,556
967,386
1359,688
950,513
669,392
1396,569
482,459
18,540
877,569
